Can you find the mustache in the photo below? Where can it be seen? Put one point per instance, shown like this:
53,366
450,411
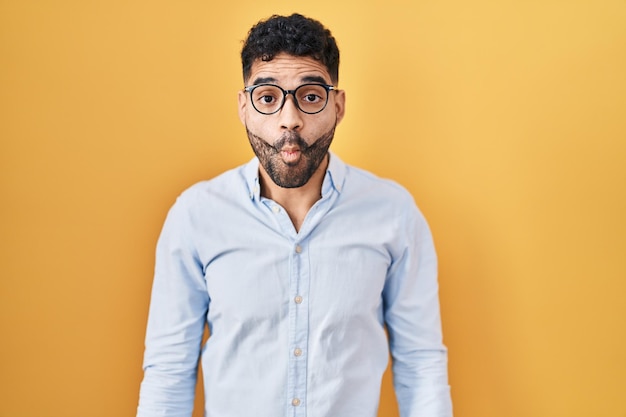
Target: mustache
290,138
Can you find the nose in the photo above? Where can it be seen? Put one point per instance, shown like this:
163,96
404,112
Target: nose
290,116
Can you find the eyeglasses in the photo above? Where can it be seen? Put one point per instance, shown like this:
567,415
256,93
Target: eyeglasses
270,98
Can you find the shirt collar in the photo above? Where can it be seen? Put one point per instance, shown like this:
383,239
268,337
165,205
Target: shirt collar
333,180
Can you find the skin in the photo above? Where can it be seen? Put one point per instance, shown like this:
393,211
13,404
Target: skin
291,145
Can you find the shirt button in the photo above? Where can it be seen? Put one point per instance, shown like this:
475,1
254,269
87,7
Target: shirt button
298,299
295,402
297,352
298,249
275,209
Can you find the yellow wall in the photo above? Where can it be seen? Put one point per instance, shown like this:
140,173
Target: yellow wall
506,120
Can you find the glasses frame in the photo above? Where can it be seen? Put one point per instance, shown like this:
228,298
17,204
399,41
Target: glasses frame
250,89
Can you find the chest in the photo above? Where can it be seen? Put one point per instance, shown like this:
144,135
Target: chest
255,273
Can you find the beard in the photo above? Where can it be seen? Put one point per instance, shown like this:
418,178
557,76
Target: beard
291,174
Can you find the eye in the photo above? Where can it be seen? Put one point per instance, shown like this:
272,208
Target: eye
311,98
267,99
266,95
311,94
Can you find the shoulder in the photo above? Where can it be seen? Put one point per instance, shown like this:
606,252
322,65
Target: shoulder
357,182
227,188
384,204
367,185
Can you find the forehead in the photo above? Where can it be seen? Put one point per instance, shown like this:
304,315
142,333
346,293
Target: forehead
287,69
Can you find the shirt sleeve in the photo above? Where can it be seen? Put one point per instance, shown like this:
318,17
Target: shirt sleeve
412,317
177,316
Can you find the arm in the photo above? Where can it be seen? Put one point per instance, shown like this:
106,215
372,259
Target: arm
177,316
414,325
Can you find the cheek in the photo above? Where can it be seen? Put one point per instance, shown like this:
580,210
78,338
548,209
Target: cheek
325,124
256,124
258,139
268,128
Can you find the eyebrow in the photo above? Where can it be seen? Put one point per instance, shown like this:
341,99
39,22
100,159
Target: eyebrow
314,79
264,80
306,79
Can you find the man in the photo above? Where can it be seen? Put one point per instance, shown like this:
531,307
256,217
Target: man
300,264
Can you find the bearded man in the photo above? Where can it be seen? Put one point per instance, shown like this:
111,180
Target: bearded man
309,272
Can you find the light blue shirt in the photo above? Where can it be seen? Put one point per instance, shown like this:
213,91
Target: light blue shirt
298,321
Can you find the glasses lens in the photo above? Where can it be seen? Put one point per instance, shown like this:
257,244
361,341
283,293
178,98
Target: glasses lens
311,98
267,98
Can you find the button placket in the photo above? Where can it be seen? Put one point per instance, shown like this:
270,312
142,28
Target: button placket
299,284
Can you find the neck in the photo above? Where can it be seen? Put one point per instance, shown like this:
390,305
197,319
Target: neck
296,201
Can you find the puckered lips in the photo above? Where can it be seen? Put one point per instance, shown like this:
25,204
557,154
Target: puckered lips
290,154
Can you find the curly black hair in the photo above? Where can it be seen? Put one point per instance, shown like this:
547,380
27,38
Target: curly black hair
295,35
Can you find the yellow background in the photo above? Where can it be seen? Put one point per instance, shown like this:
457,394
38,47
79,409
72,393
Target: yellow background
505,119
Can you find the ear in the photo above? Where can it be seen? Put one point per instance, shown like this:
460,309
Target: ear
242,102
340,104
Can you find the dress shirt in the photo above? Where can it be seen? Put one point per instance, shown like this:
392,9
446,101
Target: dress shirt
301,322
